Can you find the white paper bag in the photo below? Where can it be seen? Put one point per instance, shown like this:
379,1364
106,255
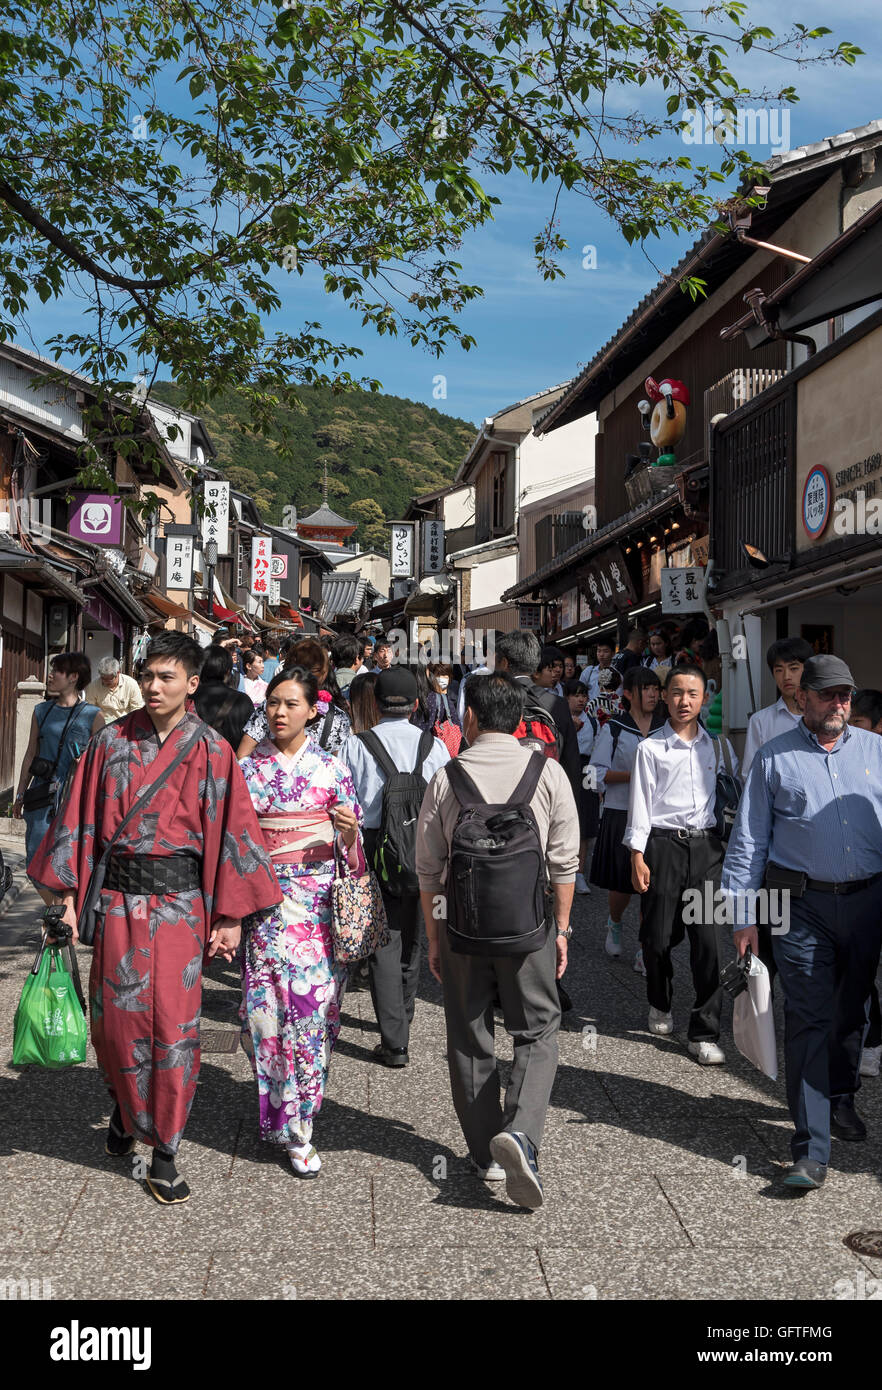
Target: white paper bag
753,1023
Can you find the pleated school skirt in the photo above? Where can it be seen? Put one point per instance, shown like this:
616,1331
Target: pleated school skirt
611,861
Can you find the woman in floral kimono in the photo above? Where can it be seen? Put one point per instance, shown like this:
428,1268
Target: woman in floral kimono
291,986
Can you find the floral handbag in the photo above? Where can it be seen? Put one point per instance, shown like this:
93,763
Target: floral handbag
358,917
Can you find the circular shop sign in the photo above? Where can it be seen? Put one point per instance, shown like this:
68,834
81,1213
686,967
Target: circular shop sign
816,496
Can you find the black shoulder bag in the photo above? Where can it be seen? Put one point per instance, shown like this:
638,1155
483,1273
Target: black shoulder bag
42,795
88,917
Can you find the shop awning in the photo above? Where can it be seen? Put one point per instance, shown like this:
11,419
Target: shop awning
165,606
290,615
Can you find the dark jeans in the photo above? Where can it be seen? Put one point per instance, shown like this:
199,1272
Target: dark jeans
826,963
395,969
674,867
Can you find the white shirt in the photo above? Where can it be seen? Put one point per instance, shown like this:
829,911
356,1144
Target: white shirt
673,784
460,704
604,760
585,734
765,724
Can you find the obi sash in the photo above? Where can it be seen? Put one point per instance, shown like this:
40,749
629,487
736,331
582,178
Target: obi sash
306,837
298,837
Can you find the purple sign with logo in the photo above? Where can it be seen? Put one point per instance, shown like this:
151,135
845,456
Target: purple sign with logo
96,517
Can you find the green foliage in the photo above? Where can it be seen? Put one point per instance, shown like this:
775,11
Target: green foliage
397,449
165,165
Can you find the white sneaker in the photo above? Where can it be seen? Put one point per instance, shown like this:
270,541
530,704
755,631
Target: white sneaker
495,1173
638,962
870,1060
613,943
709,1054
660,1023
582,884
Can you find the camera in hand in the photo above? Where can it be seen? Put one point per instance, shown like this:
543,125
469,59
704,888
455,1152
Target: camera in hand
53,924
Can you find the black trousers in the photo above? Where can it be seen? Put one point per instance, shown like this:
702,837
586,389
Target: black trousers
395,969
674,867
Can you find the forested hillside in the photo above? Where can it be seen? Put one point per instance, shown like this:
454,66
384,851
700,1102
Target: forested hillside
380,452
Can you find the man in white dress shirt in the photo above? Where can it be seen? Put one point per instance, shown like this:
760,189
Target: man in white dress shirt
786,659
671,833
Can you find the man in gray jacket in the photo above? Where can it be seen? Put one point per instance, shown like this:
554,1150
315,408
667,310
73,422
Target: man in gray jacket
524,984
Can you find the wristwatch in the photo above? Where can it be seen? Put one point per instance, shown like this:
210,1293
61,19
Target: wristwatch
566,934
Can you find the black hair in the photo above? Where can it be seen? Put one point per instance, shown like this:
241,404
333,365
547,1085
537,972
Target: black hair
304,678
496,700
548,657
364,712
639,676
74,664
217,665
176,646
382,641
574,687
789,649
249,657
688,668
421,713
605,642
867,704
345,650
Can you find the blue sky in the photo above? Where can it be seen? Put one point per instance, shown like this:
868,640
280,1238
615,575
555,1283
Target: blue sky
533,333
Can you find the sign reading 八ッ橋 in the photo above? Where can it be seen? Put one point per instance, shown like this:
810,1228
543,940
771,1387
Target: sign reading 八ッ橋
261,565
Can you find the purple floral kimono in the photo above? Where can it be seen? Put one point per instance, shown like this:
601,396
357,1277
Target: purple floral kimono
291,985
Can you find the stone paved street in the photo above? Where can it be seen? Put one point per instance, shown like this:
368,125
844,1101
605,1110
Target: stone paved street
641,1160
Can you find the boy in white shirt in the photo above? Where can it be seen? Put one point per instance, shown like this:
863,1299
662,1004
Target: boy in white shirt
786,659
675,854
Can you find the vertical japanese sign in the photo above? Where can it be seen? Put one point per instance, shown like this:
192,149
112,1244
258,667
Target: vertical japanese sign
179,562
261,565
275,592
216,519
401,550
433,547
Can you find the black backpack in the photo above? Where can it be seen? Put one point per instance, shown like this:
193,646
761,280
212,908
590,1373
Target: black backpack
394,858
496,902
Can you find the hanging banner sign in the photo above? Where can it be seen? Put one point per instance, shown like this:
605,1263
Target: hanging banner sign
433,547
401,550
682,590
179,562
216,518
261,565
280,566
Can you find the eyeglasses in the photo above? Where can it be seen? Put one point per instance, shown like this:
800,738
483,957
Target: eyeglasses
841,697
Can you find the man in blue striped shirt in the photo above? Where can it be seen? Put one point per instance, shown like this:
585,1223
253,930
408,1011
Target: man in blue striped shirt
810,820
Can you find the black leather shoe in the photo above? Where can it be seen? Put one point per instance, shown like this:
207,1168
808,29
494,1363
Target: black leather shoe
806,1172
391,1056
846,1123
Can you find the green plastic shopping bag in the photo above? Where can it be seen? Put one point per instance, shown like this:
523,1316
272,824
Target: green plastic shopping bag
50,1025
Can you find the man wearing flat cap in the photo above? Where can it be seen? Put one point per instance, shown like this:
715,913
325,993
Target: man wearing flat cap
810,825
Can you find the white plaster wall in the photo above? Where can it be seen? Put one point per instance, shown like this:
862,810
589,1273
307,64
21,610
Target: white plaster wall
556,461
491,579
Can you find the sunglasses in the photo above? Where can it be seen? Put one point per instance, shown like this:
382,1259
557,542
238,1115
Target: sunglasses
828,696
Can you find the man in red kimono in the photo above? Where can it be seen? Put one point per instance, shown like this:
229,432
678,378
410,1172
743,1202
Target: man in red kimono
180,878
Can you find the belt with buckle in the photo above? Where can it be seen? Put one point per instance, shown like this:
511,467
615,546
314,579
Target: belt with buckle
820,886
145,874
682,834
